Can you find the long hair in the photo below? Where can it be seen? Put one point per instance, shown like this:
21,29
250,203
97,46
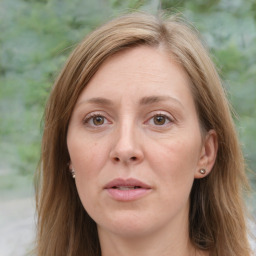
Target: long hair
216,218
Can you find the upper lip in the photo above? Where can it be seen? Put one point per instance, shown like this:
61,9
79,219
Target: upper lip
131,182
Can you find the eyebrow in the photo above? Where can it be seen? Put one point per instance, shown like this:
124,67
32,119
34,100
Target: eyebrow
143,101
97,100
156,99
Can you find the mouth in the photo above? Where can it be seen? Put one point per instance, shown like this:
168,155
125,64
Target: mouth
127,189
127,184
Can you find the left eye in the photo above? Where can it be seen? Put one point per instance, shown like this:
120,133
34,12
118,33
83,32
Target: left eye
159,120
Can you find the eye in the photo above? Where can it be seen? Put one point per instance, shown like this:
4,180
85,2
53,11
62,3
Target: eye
94,120
98,120
160,120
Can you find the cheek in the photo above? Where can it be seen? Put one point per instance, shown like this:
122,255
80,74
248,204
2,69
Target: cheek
86,156
176,154
88,161
175,162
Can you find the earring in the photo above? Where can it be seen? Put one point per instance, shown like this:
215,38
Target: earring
73,173
202,171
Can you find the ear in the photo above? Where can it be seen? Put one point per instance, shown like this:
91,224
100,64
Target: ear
70,166
208,154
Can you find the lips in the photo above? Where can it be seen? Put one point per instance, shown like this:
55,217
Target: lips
127,189
128,183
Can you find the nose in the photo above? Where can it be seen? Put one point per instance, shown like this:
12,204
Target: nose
127,148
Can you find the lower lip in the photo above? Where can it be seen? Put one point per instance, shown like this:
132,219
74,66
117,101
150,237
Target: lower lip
127,195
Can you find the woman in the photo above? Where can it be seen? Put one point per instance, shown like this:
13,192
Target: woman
139,152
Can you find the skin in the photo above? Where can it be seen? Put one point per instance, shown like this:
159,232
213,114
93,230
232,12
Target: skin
144,126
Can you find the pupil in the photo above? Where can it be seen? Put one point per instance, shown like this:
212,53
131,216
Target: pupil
158,120
98,120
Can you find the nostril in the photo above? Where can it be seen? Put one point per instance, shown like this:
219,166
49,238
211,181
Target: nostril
125,159
116,159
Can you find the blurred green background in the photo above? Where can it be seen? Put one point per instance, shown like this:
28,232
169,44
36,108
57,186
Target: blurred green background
36,37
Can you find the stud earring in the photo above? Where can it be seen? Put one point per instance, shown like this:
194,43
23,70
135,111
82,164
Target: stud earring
202,171
73,173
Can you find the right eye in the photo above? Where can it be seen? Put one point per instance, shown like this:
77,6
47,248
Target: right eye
95,120
98,120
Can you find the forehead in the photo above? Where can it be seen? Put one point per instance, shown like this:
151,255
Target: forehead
139,72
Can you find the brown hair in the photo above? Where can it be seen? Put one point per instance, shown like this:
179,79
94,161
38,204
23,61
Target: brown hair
217,221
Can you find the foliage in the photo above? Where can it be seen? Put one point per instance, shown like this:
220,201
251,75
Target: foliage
37,35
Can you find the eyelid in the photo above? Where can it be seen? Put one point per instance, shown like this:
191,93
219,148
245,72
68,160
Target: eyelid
161,113
89,117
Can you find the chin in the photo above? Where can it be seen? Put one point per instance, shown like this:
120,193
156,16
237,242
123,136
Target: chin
128,224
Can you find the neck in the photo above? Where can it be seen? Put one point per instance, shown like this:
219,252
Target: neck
147,247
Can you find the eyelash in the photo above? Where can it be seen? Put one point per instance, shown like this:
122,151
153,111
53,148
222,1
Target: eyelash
91,116
167,119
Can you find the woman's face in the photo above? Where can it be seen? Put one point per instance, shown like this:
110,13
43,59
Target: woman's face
135,144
